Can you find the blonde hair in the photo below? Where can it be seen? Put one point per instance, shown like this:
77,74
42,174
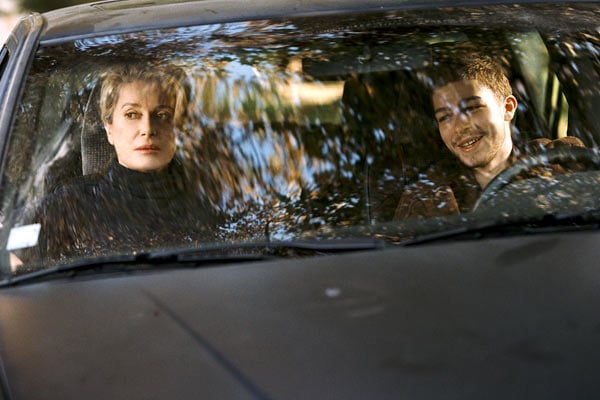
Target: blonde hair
170,79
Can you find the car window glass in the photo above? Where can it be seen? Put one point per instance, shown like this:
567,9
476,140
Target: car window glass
296,128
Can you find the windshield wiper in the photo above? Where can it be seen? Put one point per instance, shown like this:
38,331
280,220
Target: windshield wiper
216,254
475,228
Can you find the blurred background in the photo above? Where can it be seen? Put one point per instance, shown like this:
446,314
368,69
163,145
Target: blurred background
11,10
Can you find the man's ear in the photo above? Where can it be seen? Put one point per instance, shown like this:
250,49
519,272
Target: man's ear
510,107
107,128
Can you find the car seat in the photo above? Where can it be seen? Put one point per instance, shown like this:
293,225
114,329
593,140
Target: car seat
96,151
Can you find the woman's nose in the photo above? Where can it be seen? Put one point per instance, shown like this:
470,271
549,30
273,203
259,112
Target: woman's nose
147,126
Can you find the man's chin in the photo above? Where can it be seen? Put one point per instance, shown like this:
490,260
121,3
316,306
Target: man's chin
471,161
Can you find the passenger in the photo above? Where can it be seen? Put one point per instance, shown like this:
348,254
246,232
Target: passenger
147,198
474,106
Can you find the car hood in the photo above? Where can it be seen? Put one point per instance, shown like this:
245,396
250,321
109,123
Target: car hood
499,318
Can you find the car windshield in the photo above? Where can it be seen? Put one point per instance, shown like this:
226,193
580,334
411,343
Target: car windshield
297,129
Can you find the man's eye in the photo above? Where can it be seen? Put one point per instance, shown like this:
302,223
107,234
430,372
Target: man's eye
472,108
443,118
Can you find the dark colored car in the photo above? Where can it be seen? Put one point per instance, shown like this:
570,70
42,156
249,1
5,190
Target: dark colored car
287,273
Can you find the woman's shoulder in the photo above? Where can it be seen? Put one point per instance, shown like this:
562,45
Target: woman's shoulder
87,192
84,184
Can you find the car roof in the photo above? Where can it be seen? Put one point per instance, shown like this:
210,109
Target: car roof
118,16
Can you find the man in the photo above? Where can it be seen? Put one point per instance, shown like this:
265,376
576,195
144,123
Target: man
474,106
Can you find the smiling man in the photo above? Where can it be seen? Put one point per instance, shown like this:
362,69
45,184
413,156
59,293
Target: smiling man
474,122
474,106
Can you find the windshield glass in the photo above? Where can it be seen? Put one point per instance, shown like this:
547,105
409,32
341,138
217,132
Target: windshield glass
347,126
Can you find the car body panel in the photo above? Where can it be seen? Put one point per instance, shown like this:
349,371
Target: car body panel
116,16
497,320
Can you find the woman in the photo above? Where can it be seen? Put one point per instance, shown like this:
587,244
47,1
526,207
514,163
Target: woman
145,199
139,108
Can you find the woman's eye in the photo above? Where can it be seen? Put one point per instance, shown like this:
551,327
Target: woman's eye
164,116
131,115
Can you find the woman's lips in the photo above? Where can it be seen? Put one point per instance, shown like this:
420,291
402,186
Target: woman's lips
147,148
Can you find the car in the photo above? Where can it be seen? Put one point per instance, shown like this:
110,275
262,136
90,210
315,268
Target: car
302,126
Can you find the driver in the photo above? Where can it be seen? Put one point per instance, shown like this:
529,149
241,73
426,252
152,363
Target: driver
474,106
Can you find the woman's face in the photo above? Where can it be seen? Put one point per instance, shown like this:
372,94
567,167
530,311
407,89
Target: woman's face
142,127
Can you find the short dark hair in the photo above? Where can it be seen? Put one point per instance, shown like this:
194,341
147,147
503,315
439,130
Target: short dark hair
458,66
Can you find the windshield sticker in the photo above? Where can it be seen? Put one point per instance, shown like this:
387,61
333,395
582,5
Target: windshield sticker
23,236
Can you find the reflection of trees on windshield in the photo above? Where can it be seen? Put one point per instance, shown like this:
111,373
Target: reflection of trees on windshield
289,167
282,151
288,133
249,143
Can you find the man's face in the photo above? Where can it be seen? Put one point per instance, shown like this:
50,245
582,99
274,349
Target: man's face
474,124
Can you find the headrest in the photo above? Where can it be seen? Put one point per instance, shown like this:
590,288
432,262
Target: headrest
96,152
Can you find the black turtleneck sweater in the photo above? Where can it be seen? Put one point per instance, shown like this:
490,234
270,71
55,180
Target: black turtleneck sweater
123,211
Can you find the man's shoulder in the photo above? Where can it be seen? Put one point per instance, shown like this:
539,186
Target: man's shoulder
445,172
542,144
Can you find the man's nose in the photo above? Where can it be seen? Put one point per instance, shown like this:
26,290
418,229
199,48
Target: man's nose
462,120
